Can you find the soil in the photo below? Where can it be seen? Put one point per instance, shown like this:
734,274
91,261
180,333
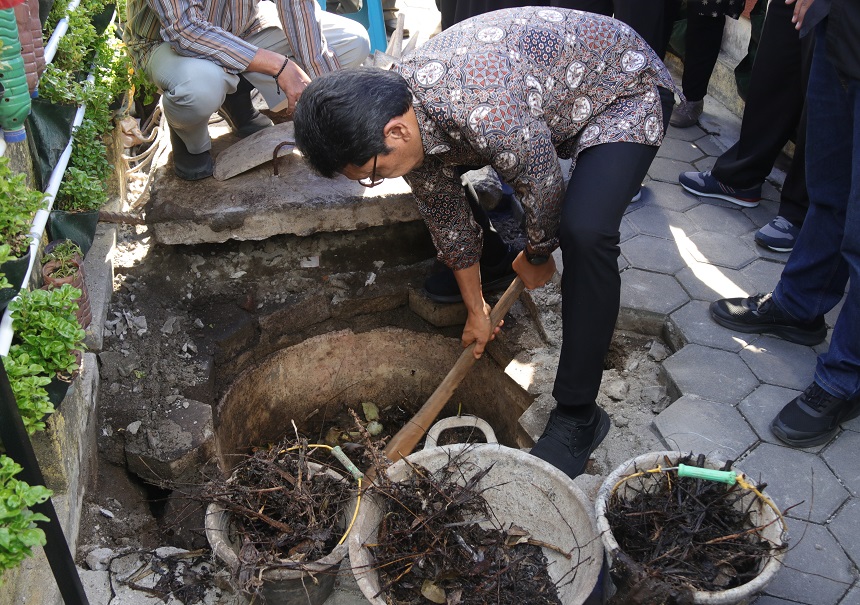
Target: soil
176,310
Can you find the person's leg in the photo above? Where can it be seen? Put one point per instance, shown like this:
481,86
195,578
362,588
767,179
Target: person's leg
600,7
773,107
827,253
346,38
648,19
193,89
703,39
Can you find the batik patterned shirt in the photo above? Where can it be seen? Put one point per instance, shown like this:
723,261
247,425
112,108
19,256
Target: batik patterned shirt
516,89
216,30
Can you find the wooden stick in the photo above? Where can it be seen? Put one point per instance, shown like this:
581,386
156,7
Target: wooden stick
405,440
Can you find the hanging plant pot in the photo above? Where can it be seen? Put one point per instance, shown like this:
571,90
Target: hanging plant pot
80,227
61,386
56,273
723,543
14,269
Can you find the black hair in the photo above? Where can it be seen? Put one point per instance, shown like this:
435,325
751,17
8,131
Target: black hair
340,117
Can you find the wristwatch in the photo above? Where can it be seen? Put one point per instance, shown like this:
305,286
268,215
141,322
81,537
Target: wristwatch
536,259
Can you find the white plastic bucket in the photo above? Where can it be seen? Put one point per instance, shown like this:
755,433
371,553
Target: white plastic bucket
760,514
522,490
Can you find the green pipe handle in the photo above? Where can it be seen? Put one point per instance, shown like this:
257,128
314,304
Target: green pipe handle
729,477
346,462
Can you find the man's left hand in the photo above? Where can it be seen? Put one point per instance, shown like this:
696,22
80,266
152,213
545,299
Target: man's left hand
534,276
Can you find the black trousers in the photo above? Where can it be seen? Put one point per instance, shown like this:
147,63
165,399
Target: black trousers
454,11
702,47
603,182
774,112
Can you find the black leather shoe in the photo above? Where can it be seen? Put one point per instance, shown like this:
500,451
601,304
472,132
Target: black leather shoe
813,417
759,315
442,287
239,111
391,25
190,166
567,444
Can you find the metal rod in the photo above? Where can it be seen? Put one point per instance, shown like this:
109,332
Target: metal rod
18,447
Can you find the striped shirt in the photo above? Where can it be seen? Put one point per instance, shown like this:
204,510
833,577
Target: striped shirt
216,30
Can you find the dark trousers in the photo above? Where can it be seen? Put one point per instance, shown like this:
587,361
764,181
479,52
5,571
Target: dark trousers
702,47
605,179
774,112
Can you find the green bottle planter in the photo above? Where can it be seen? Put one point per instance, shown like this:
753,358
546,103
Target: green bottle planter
15,105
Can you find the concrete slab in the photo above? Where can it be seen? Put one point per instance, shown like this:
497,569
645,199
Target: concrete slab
762,405
845,527
763,274
815,569
710,373
797,480
779,362
713,218
652,254
693,322
841,456
676,149
703,281
720,249
660,222
257,205
670,196
694,424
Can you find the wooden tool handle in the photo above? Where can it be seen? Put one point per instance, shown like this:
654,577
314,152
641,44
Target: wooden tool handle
405,440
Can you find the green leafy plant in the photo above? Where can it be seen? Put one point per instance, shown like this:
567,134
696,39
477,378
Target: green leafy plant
18,530
18,207
67,255
47,330
28,381
80,191
5,254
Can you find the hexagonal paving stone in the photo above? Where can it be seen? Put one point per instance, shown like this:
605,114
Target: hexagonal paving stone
841,456
626,230
845,527
763,275
685,134
675,149
768,600
853,596
669,195
709,282
651,292
710,145
652,254
666,170
779,362
762,214
720,249
815,569
694,324
762,405
693,424
710,373
713,218
705,164
660,222
797,479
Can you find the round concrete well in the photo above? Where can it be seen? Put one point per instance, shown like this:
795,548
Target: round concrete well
385,366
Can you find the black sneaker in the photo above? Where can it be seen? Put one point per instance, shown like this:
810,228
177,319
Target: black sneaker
567,444
190,166
442,287
759,315
813,417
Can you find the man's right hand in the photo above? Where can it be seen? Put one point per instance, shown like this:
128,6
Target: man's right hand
292,81
533,276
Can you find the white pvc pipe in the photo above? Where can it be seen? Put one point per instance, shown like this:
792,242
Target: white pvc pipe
41,220
59,32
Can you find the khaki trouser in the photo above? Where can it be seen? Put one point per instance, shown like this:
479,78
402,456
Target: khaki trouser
194,89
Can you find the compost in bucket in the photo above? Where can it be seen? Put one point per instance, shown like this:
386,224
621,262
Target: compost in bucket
678,535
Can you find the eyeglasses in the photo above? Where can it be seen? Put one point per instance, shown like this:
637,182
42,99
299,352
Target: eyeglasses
372,181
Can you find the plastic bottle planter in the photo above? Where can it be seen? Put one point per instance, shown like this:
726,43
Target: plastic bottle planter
77,279
32,48
15,105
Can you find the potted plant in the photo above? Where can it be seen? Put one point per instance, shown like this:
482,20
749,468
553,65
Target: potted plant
29,381
18,207
47,330
63,263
